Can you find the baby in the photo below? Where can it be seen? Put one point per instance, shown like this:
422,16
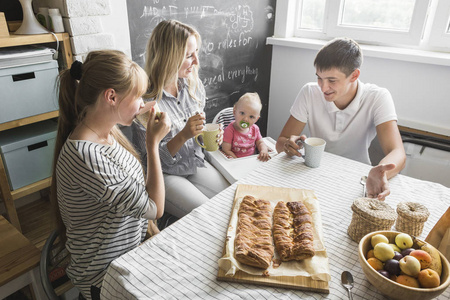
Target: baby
242,136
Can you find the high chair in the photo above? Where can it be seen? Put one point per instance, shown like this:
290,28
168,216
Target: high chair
235,168
225,117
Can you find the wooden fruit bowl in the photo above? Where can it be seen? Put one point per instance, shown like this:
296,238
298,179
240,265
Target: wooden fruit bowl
391,288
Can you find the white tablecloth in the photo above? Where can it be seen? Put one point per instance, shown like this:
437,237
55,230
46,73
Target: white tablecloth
181,261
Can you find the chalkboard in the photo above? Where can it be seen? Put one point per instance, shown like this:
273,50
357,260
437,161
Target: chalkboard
234,57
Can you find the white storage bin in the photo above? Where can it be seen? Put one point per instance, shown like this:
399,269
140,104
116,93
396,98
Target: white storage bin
28,90
27,152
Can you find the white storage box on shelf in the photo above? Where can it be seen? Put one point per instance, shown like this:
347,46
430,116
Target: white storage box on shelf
28,90
27,153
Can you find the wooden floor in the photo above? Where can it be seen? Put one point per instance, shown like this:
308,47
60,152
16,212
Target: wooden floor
36,221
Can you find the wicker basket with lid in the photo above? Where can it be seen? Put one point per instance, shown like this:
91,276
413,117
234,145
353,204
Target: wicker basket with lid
411,218
370,215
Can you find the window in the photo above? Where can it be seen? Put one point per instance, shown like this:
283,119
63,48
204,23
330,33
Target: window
378,14
311,14
421,23
440,30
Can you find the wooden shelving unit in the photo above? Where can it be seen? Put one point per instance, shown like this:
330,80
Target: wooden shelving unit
7,195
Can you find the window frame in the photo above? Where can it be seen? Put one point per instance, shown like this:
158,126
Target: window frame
332,27
439,37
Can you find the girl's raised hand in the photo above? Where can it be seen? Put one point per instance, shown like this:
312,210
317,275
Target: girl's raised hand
157,127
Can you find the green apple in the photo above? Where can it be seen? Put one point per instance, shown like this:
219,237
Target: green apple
383,251
410,265
403,241
395,247
378,238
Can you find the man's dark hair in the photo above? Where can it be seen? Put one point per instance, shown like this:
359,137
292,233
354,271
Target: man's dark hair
343,54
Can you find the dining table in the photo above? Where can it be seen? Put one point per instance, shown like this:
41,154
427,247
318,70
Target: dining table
181,262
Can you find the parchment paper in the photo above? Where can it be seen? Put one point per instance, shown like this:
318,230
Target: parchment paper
316,267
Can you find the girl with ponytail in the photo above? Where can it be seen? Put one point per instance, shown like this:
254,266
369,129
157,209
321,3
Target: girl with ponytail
102,197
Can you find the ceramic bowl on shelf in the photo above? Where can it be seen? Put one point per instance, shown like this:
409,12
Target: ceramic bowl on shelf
392,289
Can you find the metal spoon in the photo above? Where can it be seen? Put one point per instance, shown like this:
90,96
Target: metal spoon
347,282
363,182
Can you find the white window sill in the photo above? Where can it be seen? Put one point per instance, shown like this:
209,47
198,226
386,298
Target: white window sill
405,54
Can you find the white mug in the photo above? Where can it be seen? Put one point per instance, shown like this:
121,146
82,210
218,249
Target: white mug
314,148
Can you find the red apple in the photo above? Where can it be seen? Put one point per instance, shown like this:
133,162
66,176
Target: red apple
408,280
423,257
428,278
375,263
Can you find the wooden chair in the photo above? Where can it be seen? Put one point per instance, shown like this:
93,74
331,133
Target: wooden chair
54,260
19,261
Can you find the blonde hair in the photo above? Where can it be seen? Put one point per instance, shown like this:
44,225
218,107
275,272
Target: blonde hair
101,70
249,97
165,54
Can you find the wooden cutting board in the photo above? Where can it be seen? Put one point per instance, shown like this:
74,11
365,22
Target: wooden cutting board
292,282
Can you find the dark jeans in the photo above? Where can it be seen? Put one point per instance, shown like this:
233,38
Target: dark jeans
95,294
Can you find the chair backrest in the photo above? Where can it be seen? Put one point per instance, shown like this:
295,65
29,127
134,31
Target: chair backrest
54,260
225,116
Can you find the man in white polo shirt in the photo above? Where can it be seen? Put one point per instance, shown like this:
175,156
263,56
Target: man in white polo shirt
348,114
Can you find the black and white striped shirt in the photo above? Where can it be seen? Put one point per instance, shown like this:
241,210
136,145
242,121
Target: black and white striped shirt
102,198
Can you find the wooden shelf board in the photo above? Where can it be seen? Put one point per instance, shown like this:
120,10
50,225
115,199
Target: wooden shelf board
32,188
29,120
29,39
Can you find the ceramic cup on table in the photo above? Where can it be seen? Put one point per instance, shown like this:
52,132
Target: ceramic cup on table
209,136
314,148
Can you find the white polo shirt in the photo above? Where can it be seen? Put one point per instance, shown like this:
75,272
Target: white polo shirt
350,131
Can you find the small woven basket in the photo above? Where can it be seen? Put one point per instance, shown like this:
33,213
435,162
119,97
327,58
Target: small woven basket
411,218
370,215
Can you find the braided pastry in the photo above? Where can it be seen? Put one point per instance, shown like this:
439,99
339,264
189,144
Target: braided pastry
293,231
253,243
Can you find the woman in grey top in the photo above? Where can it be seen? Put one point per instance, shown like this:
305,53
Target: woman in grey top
172,66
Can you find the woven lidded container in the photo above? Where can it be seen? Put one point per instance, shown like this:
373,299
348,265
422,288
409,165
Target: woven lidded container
370,215
411,217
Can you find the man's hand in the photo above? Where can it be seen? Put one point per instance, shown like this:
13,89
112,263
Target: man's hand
293,145
377,182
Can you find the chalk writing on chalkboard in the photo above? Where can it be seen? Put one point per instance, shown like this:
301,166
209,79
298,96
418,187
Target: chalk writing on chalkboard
234,58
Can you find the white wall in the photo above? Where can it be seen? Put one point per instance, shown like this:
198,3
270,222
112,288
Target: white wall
112,33
290,71
420,91
117,24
